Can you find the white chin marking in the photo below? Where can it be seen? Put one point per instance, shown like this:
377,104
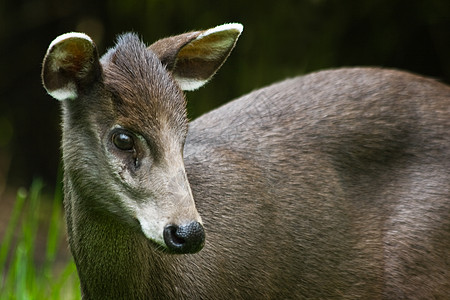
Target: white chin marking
152,230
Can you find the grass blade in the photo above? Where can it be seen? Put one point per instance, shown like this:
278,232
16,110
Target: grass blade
21,277
10,229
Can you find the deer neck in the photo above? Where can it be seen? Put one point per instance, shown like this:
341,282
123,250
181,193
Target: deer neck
114,260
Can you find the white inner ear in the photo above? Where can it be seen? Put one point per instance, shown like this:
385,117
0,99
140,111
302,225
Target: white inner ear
61,55
69,35
189,84
220,44
66,93
224,27
69,91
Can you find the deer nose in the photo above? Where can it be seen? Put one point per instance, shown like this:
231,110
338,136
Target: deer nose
183,239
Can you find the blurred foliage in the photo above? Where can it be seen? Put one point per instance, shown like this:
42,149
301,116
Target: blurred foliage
281,39
33,266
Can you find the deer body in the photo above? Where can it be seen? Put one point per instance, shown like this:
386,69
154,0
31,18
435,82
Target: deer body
364,210
335,184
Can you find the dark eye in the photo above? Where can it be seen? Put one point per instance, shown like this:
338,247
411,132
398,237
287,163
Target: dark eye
123,141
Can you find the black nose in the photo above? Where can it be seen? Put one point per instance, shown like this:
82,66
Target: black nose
188,238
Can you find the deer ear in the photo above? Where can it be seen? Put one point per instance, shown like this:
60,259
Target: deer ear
71,64
194,57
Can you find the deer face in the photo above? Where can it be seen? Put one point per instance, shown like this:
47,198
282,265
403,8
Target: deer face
124,126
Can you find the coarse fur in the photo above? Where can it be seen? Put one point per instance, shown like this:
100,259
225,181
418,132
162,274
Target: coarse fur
331,185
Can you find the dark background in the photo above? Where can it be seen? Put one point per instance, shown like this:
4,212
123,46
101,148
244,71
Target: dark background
281,39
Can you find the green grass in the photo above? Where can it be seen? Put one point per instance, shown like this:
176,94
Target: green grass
21,277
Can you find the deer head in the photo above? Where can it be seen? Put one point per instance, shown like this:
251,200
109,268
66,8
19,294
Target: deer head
124,127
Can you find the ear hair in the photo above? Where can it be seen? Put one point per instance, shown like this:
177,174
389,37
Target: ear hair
70,63
194,57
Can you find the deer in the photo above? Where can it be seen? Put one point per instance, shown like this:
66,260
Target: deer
334,184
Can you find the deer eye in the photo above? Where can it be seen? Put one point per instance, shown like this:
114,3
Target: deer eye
123,141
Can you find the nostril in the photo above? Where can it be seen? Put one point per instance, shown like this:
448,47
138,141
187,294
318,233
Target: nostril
188,238
174,236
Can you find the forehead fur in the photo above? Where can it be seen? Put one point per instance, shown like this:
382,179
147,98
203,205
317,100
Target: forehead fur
145,94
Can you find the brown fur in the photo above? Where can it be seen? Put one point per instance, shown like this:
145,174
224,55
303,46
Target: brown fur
331,185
